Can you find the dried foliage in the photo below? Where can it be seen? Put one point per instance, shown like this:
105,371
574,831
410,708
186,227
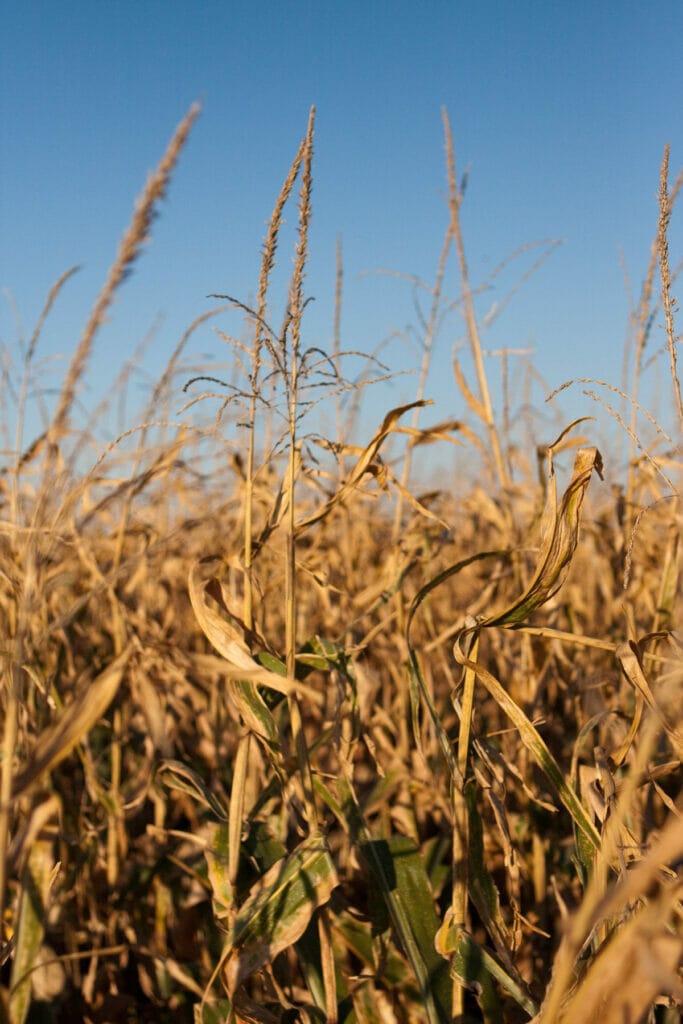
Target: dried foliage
275,751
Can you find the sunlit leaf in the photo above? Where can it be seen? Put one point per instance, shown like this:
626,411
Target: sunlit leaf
476,967
278,909
362,466
560,537
534,743
228,641
629,657
73,723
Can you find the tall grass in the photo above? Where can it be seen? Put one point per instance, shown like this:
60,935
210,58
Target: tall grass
285,741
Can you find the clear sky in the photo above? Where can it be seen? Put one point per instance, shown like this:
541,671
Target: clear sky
560,111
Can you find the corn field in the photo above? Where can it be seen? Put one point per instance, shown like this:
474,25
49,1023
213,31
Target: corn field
287,737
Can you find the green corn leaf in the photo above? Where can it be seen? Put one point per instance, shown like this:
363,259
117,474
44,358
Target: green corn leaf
310,960
328,797
398,869
215,1012
262,846
217,854
33,905
358,938
476,968
316,653
277,912
271,662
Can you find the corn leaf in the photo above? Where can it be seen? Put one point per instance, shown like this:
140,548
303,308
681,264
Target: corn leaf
560,537
278,909
33,905
228,642
216,1012
533,741
399,871
177,775
482,889
630,659
74,722
476,968
363,465
217,854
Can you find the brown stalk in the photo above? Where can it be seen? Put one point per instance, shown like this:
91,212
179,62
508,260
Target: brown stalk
336,345
19,434
455,198
267,264
296,309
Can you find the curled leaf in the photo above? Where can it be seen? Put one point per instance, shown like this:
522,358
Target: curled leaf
228,640
560,537
476,967
364,464
629,656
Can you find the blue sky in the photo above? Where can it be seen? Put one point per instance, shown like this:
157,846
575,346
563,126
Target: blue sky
560,111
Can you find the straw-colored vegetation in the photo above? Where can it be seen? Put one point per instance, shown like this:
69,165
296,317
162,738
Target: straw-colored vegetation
285,740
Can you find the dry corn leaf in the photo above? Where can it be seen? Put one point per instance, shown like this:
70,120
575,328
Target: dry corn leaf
427,435
474,403
533,741
629,657
74,722
415,502
560,537
480,883
363,465
641,962
229,642
25,839
617,901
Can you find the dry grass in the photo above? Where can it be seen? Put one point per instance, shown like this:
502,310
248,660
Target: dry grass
274,750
